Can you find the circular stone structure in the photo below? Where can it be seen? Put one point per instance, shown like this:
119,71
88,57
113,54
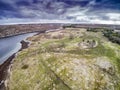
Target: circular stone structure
87,44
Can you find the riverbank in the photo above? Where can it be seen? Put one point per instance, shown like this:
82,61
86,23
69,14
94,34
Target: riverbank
4,72
10,30
4,68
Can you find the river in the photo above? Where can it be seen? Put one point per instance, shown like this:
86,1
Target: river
11,45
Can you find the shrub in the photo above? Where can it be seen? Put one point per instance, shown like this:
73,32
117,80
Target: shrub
25,66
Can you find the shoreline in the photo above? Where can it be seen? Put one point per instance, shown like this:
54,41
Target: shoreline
10,30
4,71
38,32
4,68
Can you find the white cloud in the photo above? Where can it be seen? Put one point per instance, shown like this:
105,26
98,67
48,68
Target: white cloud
38,13
10,21
80,20
97,21
114,16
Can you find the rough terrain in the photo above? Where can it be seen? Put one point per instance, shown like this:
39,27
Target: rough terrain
70,59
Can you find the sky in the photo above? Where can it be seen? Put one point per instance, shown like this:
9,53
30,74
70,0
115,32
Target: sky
60,11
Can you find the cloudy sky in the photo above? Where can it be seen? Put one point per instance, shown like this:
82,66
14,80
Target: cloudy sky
60,11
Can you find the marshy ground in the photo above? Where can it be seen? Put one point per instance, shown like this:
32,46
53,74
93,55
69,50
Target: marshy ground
70,59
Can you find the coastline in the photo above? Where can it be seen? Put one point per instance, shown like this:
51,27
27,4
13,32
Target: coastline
38,32
11,30
4,68
4,71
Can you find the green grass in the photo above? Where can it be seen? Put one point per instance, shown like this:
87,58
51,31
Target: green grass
40,67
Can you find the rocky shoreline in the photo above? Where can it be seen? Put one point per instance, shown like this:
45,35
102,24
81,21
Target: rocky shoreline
4,68
4,72
14,30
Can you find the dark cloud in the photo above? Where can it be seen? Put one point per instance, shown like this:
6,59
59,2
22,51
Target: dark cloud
75,2
88,11
22,3
5,6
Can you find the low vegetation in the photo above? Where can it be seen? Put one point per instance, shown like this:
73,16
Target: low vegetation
64,64
112,36
109,33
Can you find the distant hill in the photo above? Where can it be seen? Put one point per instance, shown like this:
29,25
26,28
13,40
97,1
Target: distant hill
9,30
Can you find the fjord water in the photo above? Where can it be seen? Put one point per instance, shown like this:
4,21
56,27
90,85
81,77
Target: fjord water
11,45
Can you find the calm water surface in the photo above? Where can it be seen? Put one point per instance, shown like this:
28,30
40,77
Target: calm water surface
11,45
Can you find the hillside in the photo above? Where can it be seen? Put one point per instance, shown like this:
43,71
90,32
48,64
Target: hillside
69,59
10,30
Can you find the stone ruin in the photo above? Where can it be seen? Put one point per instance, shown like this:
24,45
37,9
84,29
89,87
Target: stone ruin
87,44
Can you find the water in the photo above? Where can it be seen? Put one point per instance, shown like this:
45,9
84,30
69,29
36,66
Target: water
11,45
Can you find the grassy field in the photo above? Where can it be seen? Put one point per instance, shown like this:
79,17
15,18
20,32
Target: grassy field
59,61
